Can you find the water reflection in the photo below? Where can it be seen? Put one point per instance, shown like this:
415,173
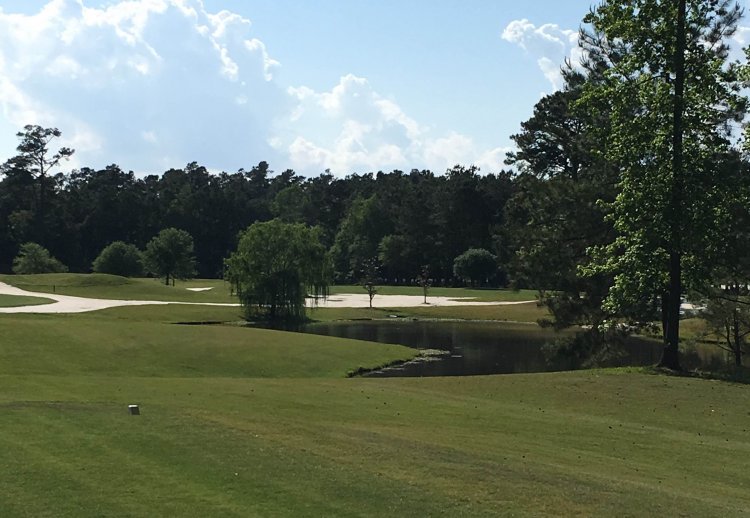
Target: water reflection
474,347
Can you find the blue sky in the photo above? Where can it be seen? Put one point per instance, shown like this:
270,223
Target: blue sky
346,85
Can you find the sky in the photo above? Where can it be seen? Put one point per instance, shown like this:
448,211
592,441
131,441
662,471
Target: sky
353,86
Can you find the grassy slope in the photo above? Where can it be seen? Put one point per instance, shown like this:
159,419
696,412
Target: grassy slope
241,422
97,345
13,301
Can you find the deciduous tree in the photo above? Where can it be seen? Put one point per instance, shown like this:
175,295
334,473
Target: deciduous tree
276,265
672,96
170,255
369,277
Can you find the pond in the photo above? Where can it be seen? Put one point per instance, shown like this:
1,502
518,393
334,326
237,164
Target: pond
472,348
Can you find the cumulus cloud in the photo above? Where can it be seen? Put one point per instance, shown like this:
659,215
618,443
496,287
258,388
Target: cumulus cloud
352,128
549,44
200,82
154,84
738,42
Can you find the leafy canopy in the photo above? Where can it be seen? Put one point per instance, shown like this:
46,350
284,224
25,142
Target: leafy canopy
639,37
673,97
119,258
275,266
476,266
170,255
34,154
34,258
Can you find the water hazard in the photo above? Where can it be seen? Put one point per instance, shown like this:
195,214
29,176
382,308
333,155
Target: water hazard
473,348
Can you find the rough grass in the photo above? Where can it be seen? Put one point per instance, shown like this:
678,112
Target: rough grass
14,301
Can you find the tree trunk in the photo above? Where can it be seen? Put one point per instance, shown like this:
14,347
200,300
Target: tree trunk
737,345
670,356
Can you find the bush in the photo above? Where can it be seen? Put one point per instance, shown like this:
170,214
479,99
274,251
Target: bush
119,258
476,266
34,258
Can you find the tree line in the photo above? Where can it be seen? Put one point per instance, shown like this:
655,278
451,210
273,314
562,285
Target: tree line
405,220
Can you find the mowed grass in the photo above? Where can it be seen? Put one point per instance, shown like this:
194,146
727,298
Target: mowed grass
13,301
592,443
121,346
250,422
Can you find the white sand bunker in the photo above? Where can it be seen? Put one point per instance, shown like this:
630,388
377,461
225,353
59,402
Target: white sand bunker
70,304
362,300
199,289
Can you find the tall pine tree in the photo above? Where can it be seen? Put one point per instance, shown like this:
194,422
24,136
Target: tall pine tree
673,96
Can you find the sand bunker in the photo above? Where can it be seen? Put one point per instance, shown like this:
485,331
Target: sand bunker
70,304
199,289
362,300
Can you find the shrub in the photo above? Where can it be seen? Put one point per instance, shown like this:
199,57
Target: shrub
119,258
476,266
34,258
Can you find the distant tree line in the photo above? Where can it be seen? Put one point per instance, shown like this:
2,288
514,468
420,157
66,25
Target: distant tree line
402,220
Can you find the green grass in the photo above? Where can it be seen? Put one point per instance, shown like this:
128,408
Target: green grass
170,313
593,443
99,346
250,422
14,301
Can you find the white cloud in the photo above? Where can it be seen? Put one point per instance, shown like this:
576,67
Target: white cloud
153,84
742,35
149,136
103,74
738,42
549,44
352,128
64,66
269,64
551,72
